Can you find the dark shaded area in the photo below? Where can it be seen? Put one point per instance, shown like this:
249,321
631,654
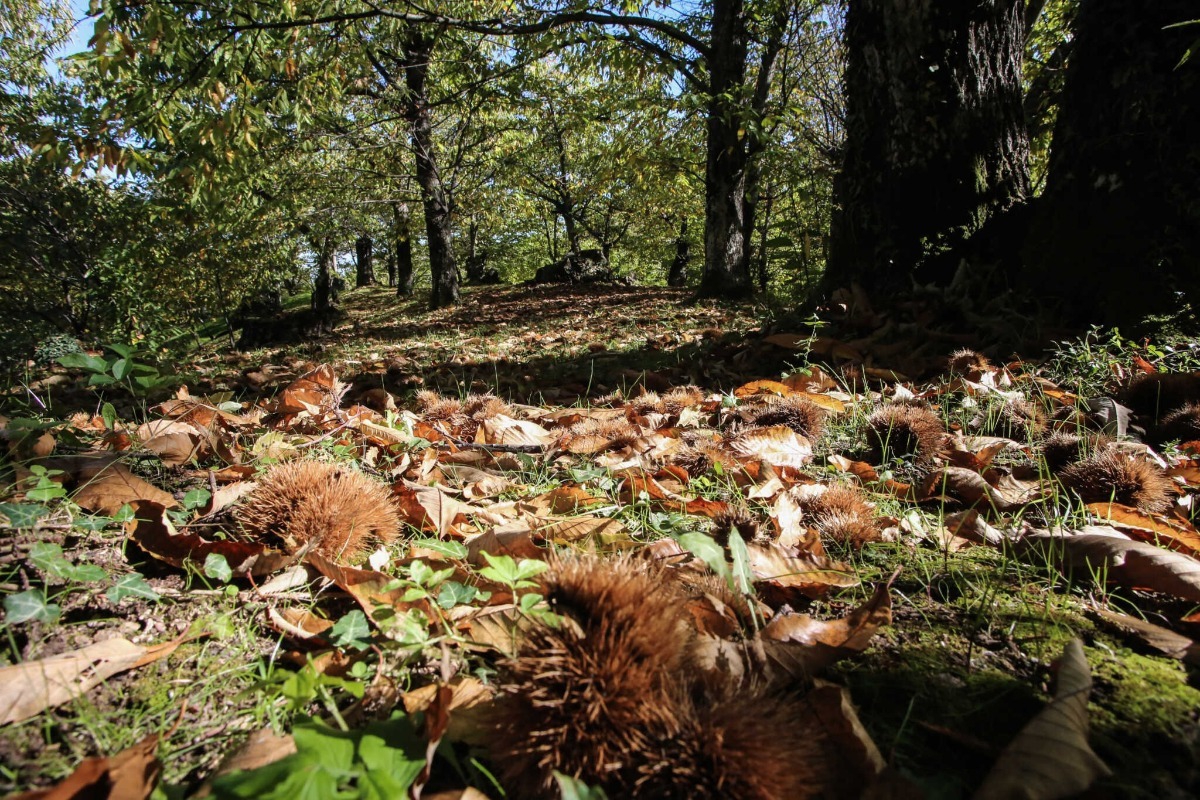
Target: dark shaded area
586,266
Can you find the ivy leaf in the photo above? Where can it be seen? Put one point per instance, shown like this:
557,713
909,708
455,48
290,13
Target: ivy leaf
453,593
448,549
196,498
86,573
48,558
26,515
131,585
30,604
352,630
217,568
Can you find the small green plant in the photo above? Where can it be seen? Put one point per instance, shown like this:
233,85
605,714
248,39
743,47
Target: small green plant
134,370
382,760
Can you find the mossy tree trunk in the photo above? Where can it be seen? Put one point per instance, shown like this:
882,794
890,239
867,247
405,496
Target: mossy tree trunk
1118,228
936,142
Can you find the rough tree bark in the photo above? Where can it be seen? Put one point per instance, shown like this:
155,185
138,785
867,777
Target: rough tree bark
443,270
936,144
1118,226
726,256
402,249
364,263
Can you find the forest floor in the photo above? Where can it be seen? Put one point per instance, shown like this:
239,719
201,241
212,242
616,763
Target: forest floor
943,588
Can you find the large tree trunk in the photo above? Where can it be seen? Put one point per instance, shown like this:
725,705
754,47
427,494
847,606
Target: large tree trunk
444,271
726,256
402,248
936,144
365,272
1118,228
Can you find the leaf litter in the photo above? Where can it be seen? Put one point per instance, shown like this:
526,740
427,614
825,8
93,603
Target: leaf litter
766,512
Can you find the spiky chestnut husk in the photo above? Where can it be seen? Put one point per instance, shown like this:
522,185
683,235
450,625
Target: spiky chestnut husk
967,362
681,397
904,429
734,519
698,459
341,512
1111,475
598,435
1154,396
842,514
1182,424
749,747
1063,448
1020,420
596,695
803,416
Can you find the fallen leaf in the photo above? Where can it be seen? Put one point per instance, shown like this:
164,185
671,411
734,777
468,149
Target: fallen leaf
779,446
131,774
262,748
857,759
153,532
1167,642
783,568
1051,758
798,645
106,489
29,688
504,430
1122,561
371,589
464,700
1153,528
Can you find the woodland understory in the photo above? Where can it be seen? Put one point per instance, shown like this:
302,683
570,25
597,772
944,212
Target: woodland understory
605,540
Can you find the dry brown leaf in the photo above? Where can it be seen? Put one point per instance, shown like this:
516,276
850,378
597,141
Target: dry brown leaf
431,508
28,689
967,486
813,381
858,761
1051,758
131,774
1123,561
762,387
1165,641
153,532
1153,528
495,628
508,431
368,587
779,446
798,646
516,539
782,569
465,701
298,623
229,494
262,748
105,490
565,500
